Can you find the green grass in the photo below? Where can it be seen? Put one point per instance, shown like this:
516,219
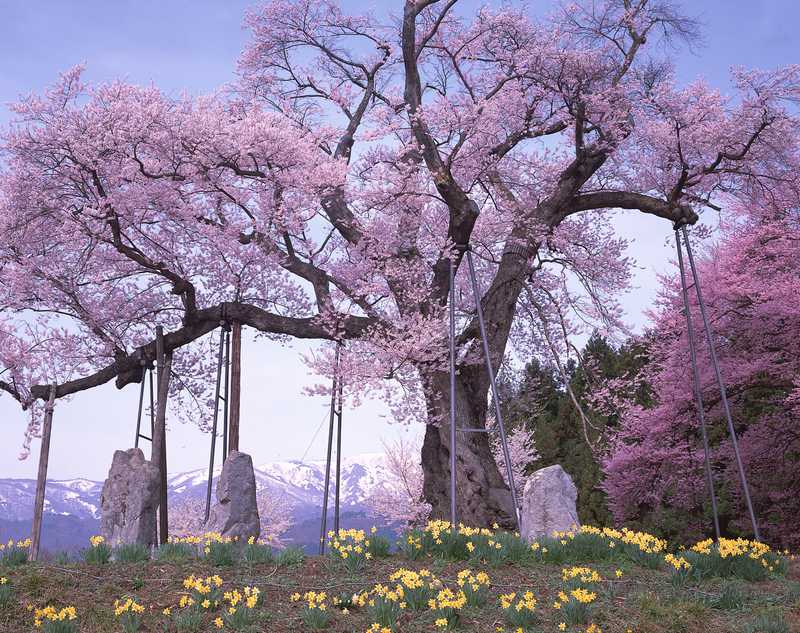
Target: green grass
643,599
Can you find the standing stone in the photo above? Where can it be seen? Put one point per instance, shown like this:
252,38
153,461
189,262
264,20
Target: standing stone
236,510
548,503
129,500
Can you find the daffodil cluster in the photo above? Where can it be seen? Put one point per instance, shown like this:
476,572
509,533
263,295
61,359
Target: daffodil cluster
385,604
575,599
315,612
23,544
129,612
447,607
241,605
14,553
474,585
418,586
519,610
52,620
591,543
99,553
351,547
741,558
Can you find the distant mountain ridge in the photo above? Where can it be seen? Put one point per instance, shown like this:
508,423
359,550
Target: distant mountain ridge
72,506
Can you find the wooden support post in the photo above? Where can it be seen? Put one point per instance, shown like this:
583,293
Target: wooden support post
236,386
41,477
159,444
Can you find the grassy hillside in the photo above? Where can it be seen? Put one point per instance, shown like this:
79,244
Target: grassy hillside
586,581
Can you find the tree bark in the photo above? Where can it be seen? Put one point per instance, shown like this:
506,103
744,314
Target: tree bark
482,496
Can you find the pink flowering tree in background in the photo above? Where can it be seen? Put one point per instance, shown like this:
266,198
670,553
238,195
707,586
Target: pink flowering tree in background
325,196
186,514
751,281
400,499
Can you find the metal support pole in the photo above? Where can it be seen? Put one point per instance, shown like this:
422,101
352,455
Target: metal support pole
214,425
152,409
452,343
492,382
338,453
41,476
141,404
698,392
722,391
324,519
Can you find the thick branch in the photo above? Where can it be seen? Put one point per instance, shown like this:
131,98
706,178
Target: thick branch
127,369
680,213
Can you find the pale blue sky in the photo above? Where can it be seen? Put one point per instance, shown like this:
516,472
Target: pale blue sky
193,46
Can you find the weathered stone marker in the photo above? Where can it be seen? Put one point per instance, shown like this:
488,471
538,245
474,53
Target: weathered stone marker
236,510
548,503
129,500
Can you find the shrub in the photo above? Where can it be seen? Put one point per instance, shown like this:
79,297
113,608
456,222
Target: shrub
131,553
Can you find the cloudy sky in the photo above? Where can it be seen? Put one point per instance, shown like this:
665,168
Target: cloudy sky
182,46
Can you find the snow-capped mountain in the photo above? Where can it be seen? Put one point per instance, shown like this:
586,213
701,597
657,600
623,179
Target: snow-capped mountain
74,505
79,498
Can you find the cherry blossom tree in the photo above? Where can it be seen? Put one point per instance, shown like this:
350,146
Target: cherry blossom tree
186,514
751,280
328,195
400,499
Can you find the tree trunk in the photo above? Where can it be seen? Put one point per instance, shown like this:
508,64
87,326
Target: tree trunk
482,496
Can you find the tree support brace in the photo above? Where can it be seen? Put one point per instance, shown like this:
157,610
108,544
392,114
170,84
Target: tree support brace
223,358
146,370
720,383
495,396
335,415
41,476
